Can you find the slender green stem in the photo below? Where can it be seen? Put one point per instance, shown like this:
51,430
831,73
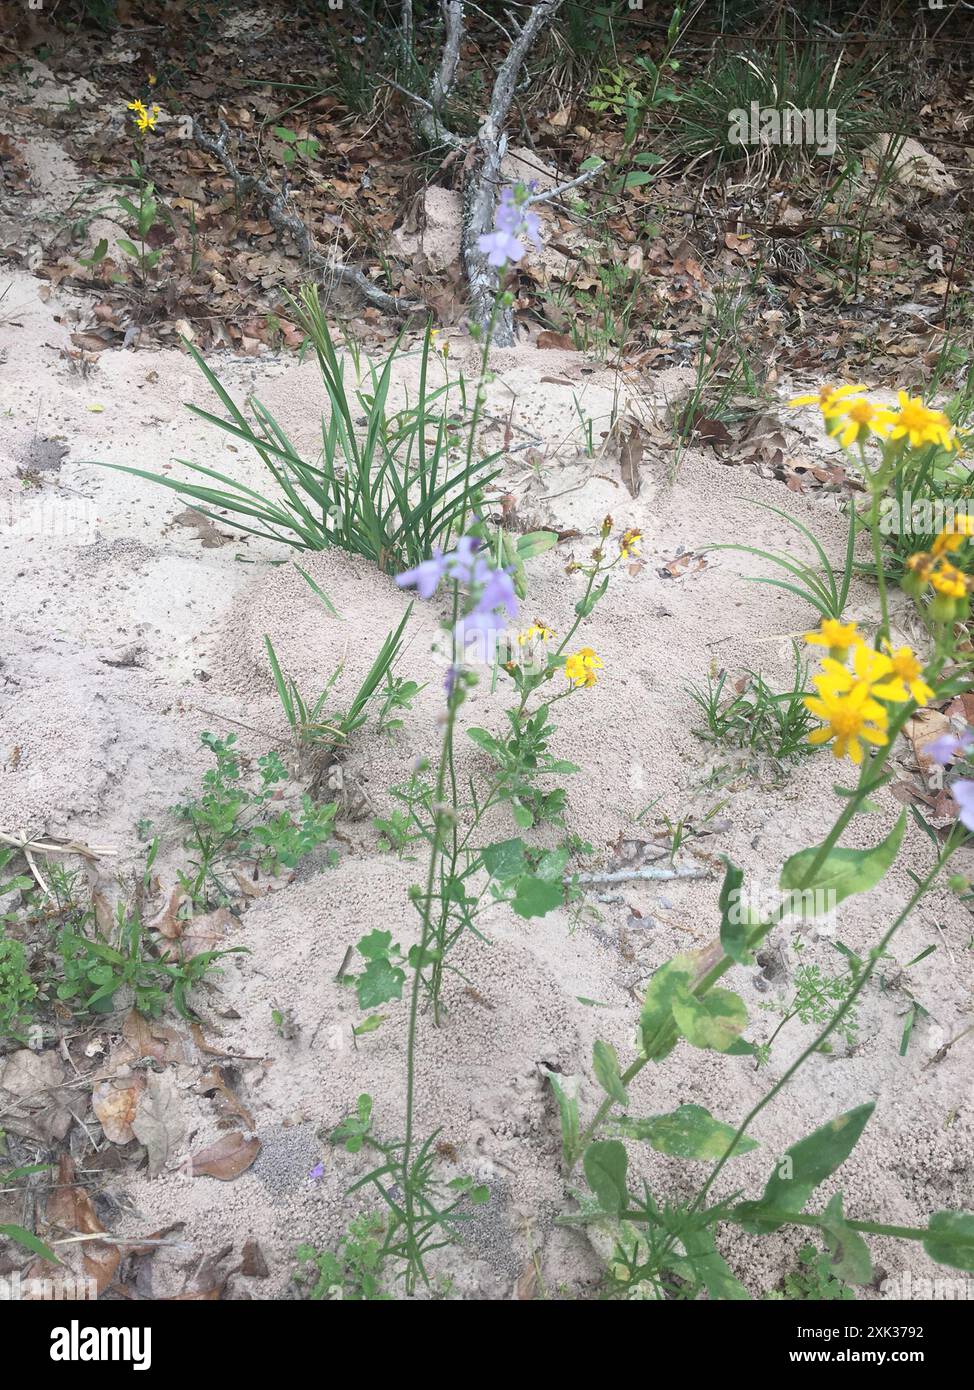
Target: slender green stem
814,1046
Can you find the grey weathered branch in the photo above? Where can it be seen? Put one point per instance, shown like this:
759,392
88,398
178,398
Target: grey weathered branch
552,193
284,221
483,177
485,150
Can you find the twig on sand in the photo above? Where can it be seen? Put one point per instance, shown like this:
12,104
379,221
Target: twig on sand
651,871
55,846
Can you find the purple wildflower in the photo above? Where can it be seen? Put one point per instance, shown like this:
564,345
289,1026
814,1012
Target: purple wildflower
500,247
317,1172
948,747
426,576
498,592
963,794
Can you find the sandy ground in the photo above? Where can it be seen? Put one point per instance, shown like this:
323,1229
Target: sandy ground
126,636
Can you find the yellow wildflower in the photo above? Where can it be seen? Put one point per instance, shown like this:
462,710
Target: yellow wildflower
835,635
630,543
847,719
144,119
953,536
827,396
536,630
872,670
910,672
854,420
580,668
915,422
948,579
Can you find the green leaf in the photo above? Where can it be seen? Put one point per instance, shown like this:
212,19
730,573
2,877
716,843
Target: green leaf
483,739
851,1259
536,896
565,1090
504,860
378,983
551,866
712,1021
29,1241
288,136
804,1166
522,815
606,1163
535,543
690,1131
129,249
657,1010
842,872
376,945
605,1063
950,1239
710,1267
99,253
369,1025
734,923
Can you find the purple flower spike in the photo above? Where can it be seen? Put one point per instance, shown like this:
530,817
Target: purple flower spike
963,794
498,592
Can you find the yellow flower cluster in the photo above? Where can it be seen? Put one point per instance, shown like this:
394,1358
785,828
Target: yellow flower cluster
851,419
629,543
144,118
851,704
537,631
950,585
580,668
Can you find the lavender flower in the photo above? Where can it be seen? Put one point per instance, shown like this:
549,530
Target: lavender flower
512,223
963,794
494,598
948,747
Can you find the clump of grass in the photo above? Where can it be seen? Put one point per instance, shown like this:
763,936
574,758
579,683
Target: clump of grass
753,716
804,77
380,487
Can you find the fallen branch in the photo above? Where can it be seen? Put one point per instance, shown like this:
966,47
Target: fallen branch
55,846
651,871
283,221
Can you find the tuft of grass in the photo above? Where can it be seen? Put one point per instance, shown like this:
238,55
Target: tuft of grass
756,717
827,591
380,488
803,77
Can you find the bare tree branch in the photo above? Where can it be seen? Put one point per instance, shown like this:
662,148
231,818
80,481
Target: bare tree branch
283,221
480,190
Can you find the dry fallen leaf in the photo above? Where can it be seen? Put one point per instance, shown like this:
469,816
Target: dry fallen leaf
157,1123
630,458
115,1102
228,1157
71,1210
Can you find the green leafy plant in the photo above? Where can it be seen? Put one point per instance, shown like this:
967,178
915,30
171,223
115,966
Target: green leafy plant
813,1280
752,716
669,1248
305,719
93,972
230,823
354,1270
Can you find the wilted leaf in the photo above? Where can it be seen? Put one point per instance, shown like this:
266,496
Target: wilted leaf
228,1157
115,1102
